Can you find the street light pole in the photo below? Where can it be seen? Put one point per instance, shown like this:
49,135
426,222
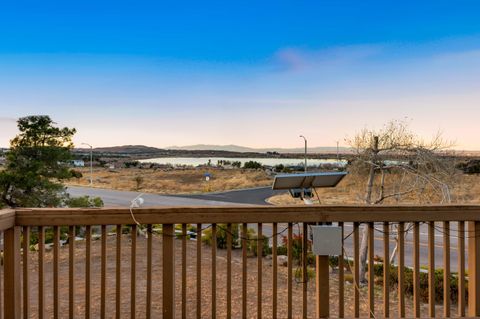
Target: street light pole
91,163
305,152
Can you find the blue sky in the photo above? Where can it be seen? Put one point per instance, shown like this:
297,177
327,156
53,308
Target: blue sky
251,73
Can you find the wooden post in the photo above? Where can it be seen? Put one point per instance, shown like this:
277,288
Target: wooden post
12,268
322,287
168,271
473,269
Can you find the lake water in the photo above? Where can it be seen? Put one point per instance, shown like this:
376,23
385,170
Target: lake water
195,161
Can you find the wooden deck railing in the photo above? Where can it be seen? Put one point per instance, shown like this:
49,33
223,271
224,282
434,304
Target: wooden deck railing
164,279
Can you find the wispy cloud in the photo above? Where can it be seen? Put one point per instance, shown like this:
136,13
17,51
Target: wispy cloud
296,59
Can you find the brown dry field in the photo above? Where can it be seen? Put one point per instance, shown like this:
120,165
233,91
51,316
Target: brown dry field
351,190
191,284
173,181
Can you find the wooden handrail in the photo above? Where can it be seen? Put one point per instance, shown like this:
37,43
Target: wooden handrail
246,214
7,219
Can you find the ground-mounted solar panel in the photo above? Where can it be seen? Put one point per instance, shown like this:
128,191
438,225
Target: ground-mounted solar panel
308,180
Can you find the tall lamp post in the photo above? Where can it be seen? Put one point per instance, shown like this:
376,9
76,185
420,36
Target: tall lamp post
91,163
305,152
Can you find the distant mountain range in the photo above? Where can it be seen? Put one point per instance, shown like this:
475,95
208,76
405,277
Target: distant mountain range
243,149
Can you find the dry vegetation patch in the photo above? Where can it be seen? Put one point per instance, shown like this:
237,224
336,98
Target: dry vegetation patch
172,181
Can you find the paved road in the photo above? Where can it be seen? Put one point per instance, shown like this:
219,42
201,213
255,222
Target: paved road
123,198
253,196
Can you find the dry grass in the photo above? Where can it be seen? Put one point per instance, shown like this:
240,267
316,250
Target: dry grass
351,190
173,181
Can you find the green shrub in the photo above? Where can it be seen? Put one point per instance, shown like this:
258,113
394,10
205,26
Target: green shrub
298,273
252,165
84,201
252,245
221,236
297,243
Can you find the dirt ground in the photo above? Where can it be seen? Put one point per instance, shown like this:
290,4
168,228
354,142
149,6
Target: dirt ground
175,181
191,284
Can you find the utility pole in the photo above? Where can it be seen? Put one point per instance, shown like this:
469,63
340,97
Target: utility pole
91,163
338,155
305,152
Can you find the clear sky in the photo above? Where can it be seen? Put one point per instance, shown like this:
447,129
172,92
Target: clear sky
253,73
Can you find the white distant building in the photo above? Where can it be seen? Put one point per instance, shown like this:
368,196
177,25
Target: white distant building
78,163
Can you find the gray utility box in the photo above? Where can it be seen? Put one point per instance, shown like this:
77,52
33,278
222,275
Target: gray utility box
327,240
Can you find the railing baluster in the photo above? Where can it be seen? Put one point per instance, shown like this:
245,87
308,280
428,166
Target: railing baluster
56,270
401,269
184,270
26,272
41,272
416,270
88,243
133,271
275,269
446,269
431,269
103,273
461,268
341,278
371,279
229,270
244,270
259,270
214,271
71,271
199,271
356,273
473,269
118,283
289,268
386,269
304,270
149,272
168,275
1,281
11,269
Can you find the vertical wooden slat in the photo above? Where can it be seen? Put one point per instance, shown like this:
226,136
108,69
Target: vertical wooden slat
168,275
461,268
133,271
71,271
304,270
274,269
229,270
371,279
289,268
214,271
323,288
1,281
149,272
56,269
341,278
88,244
416,270
446,269
386,269
184,270
356,272
41,272
199,271
244,270
259,270
431,269
26,271
474,269
118,283
103,273
401,269
12,274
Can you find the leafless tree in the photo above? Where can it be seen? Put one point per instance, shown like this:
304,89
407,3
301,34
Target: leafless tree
400,167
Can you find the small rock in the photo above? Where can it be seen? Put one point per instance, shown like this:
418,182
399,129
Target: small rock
282,260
